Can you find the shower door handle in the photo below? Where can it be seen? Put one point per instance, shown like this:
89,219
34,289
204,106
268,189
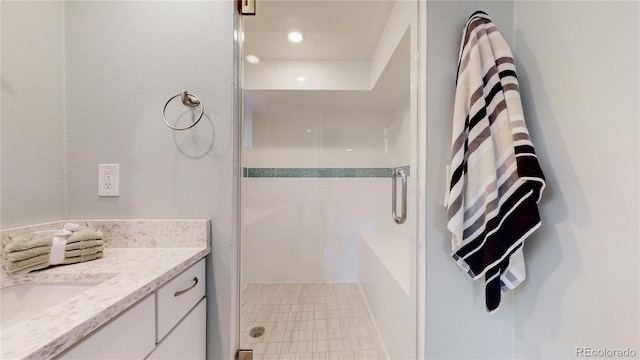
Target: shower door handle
394,195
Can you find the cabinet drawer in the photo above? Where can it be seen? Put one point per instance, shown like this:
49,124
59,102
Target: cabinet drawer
175,298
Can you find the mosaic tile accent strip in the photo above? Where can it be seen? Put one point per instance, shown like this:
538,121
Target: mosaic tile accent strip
320,172
309,321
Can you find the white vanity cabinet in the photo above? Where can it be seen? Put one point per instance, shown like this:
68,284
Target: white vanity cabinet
168,324
130,335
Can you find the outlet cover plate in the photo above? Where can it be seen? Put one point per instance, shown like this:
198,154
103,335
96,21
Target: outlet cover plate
108,180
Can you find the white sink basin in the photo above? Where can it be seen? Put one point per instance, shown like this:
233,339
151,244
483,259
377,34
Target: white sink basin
21,302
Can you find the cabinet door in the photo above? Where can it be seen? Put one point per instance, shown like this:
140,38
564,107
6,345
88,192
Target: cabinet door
131,335
187,340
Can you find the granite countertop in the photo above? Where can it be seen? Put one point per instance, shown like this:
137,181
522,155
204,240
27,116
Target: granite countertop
126,275
129,274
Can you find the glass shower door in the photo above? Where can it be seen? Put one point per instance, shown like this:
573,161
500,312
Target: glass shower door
327,266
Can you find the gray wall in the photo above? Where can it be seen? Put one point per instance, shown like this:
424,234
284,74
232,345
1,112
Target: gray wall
578,65
112,66
32,143
579,70
124,60
457,326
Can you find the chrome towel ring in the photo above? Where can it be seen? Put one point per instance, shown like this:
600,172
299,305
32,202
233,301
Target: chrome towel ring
189,100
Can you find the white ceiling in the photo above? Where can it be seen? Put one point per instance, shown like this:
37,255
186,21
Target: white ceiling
391,90
334,30
344,30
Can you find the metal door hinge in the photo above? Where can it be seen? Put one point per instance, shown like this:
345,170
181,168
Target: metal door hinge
244,354
247,7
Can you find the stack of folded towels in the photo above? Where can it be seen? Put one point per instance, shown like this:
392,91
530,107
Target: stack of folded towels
39,250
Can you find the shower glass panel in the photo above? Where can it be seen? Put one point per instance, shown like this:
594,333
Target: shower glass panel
326,272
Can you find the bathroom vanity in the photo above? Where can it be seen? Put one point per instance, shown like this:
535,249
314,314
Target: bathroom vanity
170,323
143,302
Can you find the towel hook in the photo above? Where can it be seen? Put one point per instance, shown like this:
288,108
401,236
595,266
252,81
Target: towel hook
189,100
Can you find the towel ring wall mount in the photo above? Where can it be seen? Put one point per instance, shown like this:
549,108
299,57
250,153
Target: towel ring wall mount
189,100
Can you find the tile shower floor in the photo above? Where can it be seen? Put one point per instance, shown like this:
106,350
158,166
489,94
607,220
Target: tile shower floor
309,321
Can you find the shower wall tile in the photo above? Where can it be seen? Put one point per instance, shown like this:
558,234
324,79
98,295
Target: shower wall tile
269,224
283,188
257,238
306,229
327,138
383,293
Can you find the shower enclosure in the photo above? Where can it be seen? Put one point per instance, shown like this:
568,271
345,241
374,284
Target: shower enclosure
329,210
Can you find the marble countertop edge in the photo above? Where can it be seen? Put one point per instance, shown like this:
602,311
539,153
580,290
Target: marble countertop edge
124,282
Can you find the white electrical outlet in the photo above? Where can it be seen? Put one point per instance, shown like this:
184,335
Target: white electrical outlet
109,180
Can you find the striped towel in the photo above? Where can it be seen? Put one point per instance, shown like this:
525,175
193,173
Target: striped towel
496,181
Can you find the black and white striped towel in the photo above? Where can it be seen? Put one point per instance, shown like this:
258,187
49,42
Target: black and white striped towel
496,181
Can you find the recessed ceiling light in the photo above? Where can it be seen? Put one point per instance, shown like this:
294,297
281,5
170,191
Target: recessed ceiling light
301,78
349,149
295,36
308,131
253,59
